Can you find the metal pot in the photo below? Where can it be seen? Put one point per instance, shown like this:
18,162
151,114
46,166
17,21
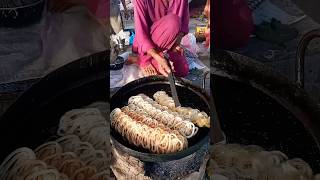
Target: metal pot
20,13
189,95
257,105
173,165
34,117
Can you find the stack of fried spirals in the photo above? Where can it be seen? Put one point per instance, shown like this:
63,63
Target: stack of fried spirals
65,158
87,123
81,153
142,132
173,121
199,118
234,161
157,125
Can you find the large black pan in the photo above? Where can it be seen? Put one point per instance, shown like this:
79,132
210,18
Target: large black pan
34,117
18,13
189,95
257,105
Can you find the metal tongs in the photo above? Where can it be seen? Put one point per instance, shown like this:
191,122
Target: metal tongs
172,81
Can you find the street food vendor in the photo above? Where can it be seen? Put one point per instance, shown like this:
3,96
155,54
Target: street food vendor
160,26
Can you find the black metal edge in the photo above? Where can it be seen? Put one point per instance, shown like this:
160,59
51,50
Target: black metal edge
83,69
149,157
17,86
179,81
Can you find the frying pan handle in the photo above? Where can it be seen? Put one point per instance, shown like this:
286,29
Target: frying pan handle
205,74
301,52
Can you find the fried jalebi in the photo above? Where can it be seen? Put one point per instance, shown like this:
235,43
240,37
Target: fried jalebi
155,139
197,117
172,121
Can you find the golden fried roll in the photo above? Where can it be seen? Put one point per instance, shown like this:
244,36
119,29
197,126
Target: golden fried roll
202,122
83,173
67,156
48,149
170,119
46,174
80,121
15,158
99,160
97,136
104,175
68,167
84,150
194,115
53,160
155,139
69,143
25,168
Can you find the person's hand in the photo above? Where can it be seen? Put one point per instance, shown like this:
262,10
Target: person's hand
63,5
163,67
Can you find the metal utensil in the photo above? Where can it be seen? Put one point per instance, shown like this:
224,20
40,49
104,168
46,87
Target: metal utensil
172,82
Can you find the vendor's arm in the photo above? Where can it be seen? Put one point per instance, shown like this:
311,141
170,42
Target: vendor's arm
164,68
